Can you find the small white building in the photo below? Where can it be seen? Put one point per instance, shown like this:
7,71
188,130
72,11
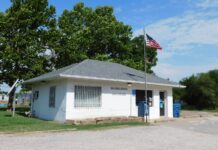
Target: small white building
24,98
94,88
3,97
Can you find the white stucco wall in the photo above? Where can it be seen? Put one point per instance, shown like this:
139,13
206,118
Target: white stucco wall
169,105
40,107
154,111
4,97
113,102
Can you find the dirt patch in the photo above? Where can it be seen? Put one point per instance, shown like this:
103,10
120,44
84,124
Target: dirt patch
194,114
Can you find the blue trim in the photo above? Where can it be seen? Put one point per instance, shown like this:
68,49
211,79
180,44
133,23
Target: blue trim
133,92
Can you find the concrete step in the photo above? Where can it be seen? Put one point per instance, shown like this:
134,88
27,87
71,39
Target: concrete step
102,120
165,119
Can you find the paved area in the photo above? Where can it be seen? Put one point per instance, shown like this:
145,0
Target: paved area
206,125
183,134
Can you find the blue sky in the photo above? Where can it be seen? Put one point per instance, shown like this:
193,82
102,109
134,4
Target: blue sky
186,29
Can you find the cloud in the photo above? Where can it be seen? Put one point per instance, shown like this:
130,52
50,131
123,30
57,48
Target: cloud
176,73
182,33
207,4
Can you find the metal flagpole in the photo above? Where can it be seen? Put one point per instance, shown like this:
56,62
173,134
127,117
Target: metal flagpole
146,100
14,103
14,98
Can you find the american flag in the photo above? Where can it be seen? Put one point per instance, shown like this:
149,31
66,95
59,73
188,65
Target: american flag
150,42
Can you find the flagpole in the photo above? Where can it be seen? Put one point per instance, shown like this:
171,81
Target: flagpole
145,57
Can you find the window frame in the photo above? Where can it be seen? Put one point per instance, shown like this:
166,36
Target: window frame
35,95
88,105
151,100
52,99
152,96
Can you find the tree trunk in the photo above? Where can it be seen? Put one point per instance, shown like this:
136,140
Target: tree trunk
11,99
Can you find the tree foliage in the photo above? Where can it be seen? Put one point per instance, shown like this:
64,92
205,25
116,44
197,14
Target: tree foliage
27,29
97,34
32,43
88,33
201,90
136,57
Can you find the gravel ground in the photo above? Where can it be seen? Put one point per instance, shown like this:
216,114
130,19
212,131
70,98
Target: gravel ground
191,114
183,134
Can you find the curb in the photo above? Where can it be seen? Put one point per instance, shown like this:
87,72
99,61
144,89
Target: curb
162,121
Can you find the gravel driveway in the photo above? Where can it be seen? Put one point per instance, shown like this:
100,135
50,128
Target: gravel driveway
185,134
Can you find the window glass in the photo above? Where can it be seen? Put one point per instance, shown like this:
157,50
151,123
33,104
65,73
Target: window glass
35,95
140,96
52,96
87,96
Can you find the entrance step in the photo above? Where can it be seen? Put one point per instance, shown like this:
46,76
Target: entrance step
164,119
103,120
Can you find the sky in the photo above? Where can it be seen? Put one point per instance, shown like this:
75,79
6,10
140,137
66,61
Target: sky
186,29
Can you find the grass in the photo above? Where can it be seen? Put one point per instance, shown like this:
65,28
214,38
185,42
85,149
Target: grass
21,123
191,108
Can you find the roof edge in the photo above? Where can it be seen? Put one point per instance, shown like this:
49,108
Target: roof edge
40,80
117,80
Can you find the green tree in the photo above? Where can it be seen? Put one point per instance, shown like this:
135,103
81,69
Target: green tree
95,34
201,90
137,55
214,75
178,93
27,29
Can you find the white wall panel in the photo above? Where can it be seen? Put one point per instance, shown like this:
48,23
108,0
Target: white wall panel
41,105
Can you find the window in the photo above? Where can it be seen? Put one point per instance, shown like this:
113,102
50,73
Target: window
150,98
149,95
52,97
140,96
87,96
35,95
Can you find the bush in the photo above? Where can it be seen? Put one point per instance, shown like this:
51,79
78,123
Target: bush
201,90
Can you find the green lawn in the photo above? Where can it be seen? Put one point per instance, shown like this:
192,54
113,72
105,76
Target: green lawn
20,123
